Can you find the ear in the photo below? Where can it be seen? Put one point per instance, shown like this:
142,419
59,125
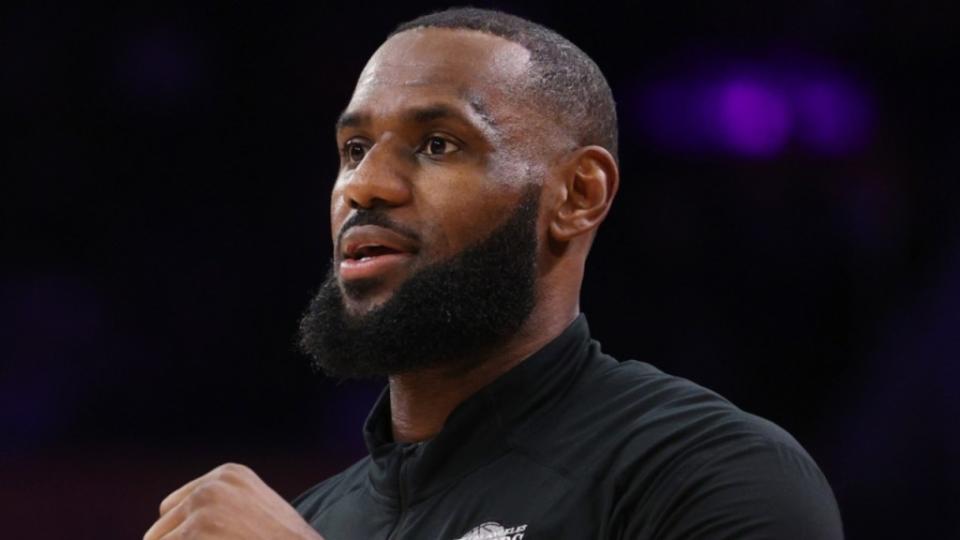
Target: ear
590,181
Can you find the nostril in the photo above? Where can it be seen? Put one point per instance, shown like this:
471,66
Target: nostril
363,203
372,203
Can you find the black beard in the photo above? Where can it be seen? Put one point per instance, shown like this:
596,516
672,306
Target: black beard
448,314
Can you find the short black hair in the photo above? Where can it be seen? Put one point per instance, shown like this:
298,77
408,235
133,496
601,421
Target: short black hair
565,80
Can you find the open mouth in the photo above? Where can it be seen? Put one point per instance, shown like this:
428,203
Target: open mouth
373,252
367,251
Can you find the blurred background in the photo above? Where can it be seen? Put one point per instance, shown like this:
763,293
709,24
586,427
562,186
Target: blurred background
786,234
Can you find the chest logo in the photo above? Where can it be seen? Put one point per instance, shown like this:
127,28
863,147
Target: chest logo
492,530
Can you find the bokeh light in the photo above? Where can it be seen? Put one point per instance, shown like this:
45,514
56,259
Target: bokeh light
758,111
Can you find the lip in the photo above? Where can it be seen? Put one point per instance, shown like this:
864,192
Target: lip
368,251
372,267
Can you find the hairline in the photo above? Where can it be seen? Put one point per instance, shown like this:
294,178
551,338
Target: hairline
535,91
525,82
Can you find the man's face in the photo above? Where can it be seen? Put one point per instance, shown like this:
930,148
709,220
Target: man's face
435,210
430,141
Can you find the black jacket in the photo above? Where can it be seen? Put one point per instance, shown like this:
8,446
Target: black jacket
572,444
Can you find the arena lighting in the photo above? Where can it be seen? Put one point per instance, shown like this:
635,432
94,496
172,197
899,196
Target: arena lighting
752,118
755,111
834,116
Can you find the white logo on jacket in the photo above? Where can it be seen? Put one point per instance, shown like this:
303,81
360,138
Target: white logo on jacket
492,530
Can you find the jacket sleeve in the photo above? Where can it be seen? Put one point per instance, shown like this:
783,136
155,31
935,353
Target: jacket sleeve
744,490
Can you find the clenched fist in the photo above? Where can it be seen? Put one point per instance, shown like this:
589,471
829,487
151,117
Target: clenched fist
232,502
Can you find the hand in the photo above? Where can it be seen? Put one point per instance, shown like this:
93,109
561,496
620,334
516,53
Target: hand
232,502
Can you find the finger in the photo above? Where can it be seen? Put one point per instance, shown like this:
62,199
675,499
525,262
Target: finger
185,529
168,521
227,472
173,499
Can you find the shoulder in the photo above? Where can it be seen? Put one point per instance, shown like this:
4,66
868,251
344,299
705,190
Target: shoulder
319,497
683,460
673,420
650,407
652,404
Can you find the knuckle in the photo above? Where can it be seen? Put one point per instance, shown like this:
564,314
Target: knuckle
205,494
235,467
202,522
233,473
166,504
232,470
211,524
190,526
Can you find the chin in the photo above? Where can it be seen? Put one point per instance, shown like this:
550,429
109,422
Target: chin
362,298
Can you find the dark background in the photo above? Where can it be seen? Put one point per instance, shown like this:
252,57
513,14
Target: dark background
785,234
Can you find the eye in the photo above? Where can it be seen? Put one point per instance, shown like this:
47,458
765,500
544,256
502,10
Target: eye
436,145
353,152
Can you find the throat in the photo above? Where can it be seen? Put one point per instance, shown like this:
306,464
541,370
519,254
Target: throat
420,404
421,401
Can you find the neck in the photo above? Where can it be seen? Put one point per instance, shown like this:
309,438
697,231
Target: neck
420,402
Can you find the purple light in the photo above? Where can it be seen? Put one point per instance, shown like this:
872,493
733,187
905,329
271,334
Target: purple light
756,110
833,117
754,119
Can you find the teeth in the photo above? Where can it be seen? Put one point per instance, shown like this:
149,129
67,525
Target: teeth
364,252
367,251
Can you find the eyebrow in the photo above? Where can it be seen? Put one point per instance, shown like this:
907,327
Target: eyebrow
351,119
422,115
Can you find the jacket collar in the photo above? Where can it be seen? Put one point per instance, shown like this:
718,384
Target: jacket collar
480,429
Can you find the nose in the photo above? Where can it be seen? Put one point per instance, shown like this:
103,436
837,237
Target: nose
378,180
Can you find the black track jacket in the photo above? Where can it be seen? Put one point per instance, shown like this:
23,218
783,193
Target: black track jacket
572,444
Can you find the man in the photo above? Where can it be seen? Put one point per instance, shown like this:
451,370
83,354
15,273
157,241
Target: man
478,158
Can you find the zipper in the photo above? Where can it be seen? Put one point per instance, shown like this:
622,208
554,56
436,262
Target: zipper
401,491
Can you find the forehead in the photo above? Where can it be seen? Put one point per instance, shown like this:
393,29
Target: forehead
423,65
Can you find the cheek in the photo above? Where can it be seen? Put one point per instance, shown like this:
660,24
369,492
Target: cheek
463,216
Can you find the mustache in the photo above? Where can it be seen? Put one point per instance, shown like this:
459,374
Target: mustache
378,218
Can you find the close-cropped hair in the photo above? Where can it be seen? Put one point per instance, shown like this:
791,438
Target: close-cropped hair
566,82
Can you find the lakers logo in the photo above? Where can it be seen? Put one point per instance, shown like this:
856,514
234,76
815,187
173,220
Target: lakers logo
492,530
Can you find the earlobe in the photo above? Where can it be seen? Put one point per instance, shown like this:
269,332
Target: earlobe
591,180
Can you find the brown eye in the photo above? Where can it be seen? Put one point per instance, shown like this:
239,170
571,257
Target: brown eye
437,146
353,152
